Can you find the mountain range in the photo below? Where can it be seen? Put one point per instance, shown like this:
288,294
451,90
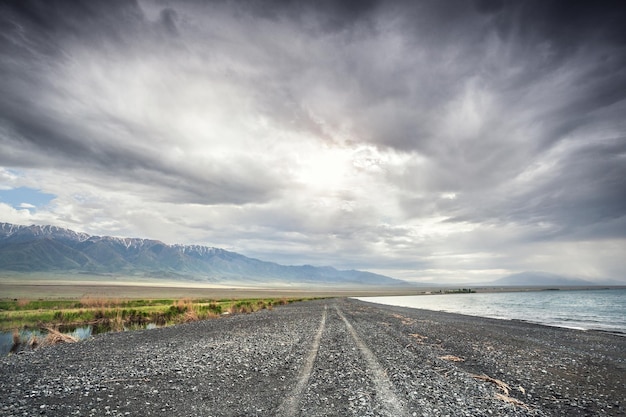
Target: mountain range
36,248
51,249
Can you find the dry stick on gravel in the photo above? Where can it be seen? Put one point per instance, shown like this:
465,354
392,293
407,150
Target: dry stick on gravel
419,338
404,320
510,400
500,384
504,387
452,358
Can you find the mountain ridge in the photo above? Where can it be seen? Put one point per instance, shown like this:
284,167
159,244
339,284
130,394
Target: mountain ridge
48,248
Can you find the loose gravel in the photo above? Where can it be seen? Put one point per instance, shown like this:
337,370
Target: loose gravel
339,357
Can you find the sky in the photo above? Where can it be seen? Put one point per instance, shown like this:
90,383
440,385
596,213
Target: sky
432,141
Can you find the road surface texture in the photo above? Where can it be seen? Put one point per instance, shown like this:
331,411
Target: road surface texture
338,357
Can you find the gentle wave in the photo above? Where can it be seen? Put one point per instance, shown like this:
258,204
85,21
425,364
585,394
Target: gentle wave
603,310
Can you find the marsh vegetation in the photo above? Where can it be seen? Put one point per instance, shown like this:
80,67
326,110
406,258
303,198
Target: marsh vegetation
31,323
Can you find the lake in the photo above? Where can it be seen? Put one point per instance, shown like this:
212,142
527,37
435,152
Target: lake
603,309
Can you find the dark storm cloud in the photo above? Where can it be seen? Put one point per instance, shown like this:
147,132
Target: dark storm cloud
551,69
586,191
331,15
565,23
554,36
580,196
168,19
42,27
498,116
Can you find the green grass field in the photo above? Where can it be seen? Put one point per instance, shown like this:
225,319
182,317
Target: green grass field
109,314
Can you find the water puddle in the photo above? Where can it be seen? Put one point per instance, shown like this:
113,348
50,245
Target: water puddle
25,340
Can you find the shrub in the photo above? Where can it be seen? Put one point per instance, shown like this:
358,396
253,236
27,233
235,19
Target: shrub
190,315
215,307
22,302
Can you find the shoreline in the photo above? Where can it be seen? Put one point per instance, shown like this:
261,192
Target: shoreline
573,372
580,329
600,309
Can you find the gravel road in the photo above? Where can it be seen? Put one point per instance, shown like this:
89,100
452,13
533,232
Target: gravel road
337,357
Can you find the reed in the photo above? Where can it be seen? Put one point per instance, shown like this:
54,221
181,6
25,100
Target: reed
55,337
114,314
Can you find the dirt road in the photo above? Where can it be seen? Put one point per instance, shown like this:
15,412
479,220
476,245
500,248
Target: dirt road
324,358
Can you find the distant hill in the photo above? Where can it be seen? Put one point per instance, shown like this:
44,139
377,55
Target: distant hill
53,249
539,279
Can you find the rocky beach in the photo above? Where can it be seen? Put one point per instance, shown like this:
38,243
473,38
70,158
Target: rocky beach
333,357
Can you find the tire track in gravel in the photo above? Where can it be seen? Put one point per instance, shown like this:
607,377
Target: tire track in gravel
289,407
392,405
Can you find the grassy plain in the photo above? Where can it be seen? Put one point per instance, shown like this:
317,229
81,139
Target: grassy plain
108,314
48,301
36,300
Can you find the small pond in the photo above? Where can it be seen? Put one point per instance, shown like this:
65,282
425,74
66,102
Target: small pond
25,337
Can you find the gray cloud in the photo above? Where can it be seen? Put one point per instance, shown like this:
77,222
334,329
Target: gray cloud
103,139
364,133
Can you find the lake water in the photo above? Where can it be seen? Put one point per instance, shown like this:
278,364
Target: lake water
578,309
